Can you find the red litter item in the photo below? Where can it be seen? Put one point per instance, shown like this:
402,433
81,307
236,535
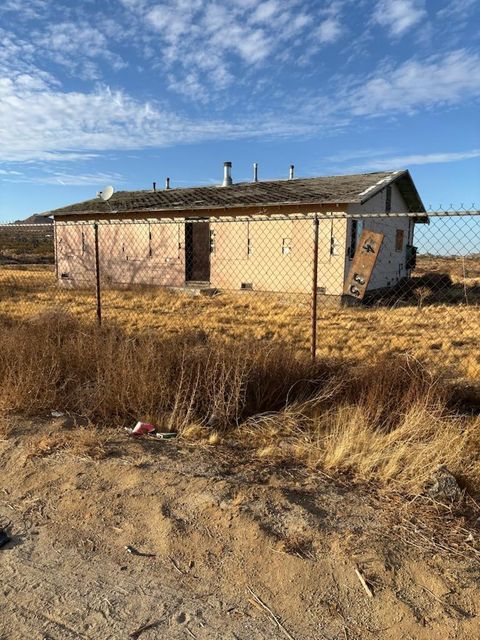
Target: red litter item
142,428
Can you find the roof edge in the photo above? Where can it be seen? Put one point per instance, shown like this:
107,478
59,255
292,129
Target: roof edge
407,189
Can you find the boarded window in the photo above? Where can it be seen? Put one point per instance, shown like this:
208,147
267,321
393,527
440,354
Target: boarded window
286,246
165,241
232,240
137,242
353,238
399,240
388,199
73,241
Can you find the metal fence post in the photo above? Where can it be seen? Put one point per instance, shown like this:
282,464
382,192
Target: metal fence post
98,290
316,224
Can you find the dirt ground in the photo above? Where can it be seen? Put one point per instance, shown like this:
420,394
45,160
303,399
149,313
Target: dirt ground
224,547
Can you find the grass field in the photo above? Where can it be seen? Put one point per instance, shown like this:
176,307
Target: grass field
437,319
379,403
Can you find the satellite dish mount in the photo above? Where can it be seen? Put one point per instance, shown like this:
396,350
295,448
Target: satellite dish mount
106,193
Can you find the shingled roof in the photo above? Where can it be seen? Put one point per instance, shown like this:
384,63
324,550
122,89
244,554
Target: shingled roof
343,189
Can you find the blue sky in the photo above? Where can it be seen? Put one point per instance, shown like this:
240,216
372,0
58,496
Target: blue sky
125,92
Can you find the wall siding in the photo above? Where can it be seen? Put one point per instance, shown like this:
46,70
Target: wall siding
391,264
274,255
277,255
130,254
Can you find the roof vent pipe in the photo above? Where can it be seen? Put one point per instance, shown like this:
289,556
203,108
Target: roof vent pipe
154,186
167,183
227,174
291,175
255,171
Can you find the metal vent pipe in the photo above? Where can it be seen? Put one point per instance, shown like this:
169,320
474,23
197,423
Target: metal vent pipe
227,174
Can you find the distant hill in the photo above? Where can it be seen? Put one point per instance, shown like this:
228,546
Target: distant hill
37,218
29,241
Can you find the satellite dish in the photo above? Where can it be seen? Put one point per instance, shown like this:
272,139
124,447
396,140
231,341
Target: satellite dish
106,193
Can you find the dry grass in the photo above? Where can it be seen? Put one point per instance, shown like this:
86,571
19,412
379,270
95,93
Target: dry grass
445,335
83,442
389,420
114,378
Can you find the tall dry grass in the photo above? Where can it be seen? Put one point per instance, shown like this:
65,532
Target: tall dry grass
389,420
114,378
437,326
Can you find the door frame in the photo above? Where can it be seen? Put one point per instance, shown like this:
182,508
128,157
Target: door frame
190,249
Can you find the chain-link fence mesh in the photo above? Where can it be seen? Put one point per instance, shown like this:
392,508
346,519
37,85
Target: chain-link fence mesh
355,285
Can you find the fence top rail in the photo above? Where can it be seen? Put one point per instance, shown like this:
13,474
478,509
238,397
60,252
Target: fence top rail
439,213
279,217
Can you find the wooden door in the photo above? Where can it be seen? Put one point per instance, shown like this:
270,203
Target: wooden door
197,251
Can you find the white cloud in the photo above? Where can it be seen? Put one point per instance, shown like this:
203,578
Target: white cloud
214,42
402,161
266,11
43,123
7,172
28,8
457,9
77,46
439,80
78,179
399,15
40,120
329,30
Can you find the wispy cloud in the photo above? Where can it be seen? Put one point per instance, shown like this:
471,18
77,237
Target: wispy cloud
329,30
78,179
77,46
447,79
408,160
457,9
207,46
398,16
41,121
8,172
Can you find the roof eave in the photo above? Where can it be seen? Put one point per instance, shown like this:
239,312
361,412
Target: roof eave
402,176
381,184
180,210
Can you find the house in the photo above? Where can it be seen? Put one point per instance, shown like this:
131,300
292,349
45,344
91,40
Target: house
256,235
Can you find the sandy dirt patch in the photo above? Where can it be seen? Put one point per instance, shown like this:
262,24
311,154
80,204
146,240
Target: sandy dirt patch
220,536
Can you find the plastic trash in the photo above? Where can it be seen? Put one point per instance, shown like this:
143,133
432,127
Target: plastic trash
141,428
145,428
136,552
57,414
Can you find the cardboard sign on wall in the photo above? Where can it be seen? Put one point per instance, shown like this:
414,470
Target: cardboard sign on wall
363,263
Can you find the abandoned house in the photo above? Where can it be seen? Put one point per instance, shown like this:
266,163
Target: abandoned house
250,235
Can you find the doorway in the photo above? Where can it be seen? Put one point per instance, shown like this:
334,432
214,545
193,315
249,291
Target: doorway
197,252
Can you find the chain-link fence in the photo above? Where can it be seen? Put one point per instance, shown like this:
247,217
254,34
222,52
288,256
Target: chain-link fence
334,284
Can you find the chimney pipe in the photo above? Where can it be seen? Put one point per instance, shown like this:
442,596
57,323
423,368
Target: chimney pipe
292,172
227,174
255,171
154,186
167,183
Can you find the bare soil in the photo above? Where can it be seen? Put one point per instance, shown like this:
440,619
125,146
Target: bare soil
215,534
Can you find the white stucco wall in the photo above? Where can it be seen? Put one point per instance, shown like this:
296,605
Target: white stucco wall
391,264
